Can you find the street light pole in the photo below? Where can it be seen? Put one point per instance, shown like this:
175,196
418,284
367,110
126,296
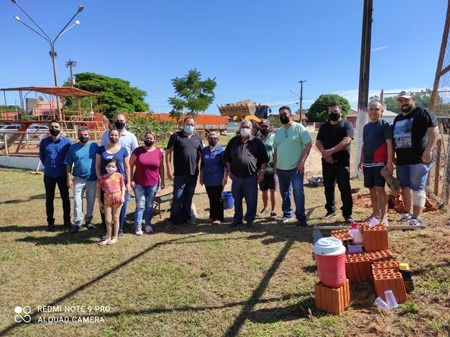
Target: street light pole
301,99
48,39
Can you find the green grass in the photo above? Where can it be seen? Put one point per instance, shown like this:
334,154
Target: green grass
199,280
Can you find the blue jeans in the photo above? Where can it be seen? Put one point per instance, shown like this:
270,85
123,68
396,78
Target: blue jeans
413,176
145,196
123,211
183,193
291,182
247,188
81,188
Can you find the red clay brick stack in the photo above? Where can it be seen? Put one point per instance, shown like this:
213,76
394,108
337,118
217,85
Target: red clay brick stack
332,300
376,264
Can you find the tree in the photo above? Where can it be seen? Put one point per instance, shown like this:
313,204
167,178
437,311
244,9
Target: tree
318,112
117,95
192,94
422,99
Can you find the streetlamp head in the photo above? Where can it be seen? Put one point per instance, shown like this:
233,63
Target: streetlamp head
17,18
80,9
77,22
13,1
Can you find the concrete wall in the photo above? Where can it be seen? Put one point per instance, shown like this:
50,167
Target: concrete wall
27,163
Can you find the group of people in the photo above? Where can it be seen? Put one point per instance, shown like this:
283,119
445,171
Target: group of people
271,161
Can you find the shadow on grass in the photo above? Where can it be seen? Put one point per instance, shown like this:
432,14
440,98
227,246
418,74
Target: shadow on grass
19,201
247,306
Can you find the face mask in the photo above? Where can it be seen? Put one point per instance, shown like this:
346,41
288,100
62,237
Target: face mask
189,129
83,139
212,142
149,143
264,132
245,132
284,119
334,116
54,132
111,170
119,125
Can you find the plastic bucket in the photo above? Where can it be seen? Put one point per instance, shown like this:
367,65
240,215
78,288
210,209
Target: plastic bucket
228,201
330,258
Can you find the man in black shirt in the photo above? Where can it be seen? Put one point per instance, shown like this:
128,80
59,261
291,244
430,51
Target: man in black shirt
415,134
186,147
333,141
246,160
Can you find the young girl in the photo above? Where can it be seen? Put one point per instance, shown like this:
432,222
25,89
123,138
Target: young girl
113,186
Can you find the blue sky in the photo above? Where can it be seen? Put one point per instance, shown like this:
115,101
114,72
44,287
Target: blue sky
256,50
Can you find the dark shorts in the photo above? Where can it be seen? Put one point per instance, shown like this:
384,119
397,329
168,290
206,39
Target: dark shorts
270,182
372,177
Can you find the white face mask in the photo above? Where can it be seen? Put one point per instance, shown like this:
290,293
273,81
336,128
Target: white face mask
111,170
245,132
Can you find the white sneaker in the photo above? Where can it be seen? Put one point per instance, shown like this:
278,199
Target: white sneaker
148,229
406,217
138,230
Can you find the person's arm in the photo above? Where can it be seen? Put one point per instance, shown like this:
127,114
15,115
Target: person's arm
305,154
339,147
433,134
390,154
69,176
126,164
361,158
132,163
162,183
98,165
274,158
42,152
123,188
169,163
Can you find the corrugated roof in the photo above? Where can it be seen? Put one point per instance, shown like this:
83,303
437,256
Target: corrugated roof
56,91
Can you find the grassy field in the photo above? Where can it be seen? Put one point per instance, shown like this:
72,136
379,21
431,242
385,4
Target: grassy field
199,280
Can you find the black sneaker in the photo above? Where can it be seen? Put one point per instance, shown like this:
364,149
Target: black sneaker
302,224
50,228
104,237
329,215
68,224
74,229
235,223
121,235
90,226
249,223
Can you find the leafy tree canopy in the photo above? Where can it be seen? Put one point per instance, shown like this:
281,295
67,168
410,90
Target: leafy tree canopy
192,95
117,95
422,99
318,112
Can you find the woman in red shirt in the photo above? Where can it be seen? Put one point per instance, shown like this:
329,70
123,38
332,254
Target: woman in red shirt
147,169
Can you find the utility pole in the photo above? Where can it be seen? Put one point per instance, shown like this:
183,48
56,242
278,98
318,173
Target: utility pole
70,64
301,99
364,71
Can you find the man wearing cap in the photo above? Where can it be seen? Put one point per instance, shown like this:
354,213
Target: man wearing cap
270,181
292,146
415,133
246,159
129,141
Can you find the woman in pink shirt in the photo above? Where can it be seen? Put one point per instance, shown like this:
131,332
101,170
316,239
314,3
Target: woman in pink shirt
147,169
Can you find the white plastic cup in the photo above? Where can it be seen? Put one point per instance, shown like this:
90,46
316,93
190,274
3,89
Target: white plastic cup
390,299
381,304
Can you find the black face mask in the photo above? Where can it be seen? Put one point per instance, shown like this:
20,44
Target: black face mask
149,143
334,116
54,132
264,132
83,139
119,125
284,119
212,142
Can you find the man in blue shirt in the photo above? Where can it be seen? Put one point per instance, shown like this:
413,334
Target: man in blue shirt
52,152
81,156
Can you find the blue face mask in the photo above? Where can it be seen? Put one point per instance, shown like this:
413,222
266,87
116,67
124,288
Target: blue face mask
189,129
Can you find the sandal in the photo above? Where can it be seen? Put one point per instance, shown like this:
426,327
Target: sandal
104,243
